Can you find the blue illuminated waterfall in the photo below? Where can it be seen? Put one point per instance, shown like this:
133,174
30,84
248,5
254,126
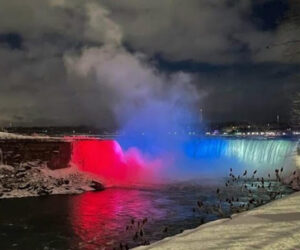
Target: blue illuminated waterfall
255,151
222,153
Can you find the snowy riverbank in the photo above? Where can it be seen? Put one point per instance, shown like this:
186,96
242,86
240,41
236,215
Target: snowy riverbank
275,225
35,179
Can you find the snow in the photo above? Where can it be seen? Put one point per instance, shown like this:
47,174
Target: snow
6,167
6,136
272,226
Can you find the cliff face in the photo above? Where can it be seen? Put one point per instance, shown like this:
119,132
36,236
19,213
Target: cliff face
56,154
40,166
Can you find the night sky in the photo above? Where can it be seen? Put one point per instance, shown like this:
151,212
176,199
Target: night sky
72,62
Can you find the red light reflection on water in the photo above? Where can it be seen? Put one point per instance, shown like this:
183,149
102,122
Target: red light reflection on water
113,166
100,218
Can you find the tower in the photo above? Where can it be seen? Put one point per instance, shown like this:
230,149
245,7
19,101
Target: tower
201,115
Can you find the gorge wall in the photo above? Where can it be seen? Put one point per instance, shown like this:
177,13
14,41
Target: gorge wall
56,153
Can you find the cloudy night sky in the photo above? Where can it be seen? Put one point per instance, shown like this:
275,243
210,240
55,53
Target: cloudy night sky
75,62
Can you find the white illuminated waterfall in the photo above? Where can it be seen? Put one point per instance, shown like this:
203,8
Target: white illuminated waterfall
271,152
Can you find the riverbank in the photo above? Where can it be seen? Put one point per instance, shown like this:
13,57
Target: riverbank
275,225
39,165
36,179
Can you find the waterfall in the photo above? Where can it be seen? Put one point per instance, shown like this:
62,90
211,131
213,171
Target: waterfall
272,152
207,157
263,154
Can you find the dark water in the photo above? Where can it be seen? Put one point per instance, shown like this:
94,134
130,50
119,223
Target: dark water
98,220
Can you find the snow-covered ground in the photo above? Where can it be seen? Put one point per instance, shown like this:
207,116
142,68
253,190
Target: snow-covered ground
272,226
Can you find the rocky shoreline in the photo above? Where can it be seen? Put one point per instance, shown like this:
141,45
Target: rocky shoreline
35,179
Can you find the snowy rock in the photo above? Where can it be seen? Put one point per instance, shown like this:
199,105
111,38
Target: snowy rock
6,168
43,192
24,186
97,186
20,174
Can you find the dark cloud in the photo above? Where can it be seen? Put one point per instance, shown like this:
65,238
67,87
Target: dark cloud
11,40
267,15
249,92
71,62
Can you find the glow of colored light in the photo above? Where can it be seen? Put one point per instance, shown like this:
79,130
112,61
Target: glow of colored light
113,166
144,160
98,217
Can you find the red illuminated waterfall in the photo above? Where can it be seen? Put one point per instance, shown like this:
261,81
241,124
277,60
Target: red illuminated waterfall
106,160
